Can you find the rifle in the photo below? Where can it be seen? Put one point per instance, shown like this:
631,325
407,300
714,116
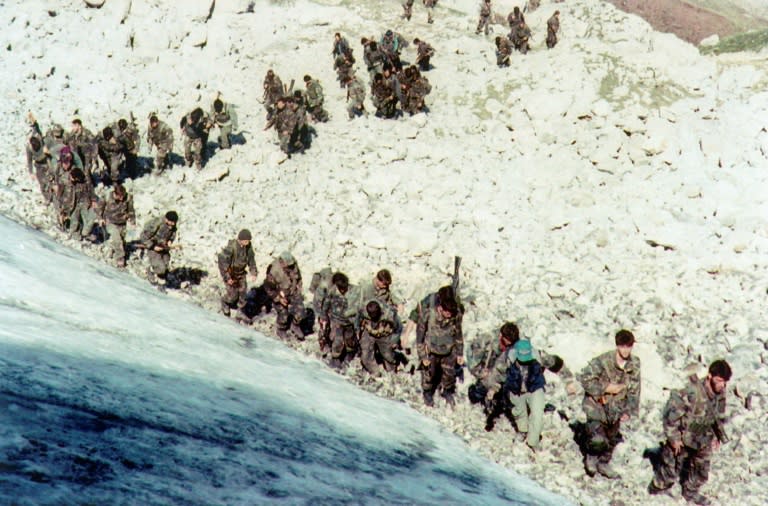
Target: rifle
455,277
167,247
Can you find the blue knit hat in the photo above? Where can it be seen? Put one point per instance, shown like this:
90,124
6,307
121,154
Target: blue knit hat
523,350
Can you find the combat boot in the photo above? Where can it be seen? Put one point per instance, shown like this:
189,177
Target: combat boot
694,497
590,465
449,400
225,309
605,469
282,333
297,332
429,399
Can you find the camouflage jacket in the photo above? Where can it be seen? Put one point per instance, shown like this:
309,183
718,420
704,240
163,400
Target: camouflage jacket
129,138
286,280
504,48
339,307
84,141
197,130
112,147
424,50
553,24
521,34
419,89
74,194
40,159
284,121
234,259
435,334
382,329
601,371
695,415
222,118
161,136
367,291
372,58
485,9
157,233
273,89
356,92
314,96
119,212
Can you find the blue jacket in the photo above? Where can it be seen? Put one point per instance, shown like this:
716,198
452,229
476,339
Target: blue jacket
534,377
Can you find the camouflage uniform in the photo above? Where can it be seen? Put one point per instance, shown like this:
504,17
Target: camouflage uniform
161,136
344,68
417,92
377,336
195,134
390,45
407,9
693,416
338,310
284,122
340,46
314,99
553,26
130,139
503,51
439,343
355,98
300,137
41,162
283,285
423,54
430,6
515,17
54,141
520,36
223,120
604,411
483,23
117,214
273,89
384,99
111,154
75,199
159,234
234,259
83,142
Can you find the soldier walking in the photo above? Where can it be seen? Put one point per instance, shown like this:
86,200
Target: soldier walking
439,343
157,238
520,36
611,384
503,51
111,152
40,164
483,23
377,335
407,10
430,6
82,142
130,141
314,99
160,135
553,26
118,212
424,52
283,285
194,129
236,260
221,118
693,425
273,90
355,97
337,319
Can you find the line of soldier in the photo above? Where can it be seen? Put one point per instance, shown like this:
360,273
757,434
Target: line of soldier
519,36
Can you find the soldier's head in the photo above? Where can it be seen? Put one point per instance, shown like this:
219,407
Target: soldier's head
337,36
270,74
557,13
286,259
523,351
719,375
57,131
341,282
307,79
364,41
516,10
374,311
388,34
377,78
383,279
153,121
218,105
119,192
66,157
77,175
171,218
35,144
244,237
373,45
77,125
446,302
416,41
107,133
624,340
386,70
509,334
498,40
122,124
196,115
280,104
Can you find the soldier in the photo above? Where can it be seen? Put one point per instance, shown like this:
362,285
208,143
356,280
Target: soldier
377,325
118,212
284,123
300,139
340,46
221,118
693,425
372,56
407,8
553,26
111,152
391,44
378,289
515,17
384,99
40,165
484,22
430,6
417,89
344,68
314,99
337,313
440,343
75,203
54,141
283,285
83,142
273,90
355,97
423,54
611,384
234,259
160,135
519,374
503,51
520,36
393,81
194,129
129,138
157,239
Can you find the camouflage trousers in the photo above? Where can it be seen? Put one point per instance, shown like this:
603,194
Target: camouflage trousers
343,339
116,235
224,132
356,108
235,293
318,113
193,152
369,345
159,262
161,159
483,24
551,39
112,165
291,314
441,368
690,467
285,141
47,185
407,9
80,221
602,439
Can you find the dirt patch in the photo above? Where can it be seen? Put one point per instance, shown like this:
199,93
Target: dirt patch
689,22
